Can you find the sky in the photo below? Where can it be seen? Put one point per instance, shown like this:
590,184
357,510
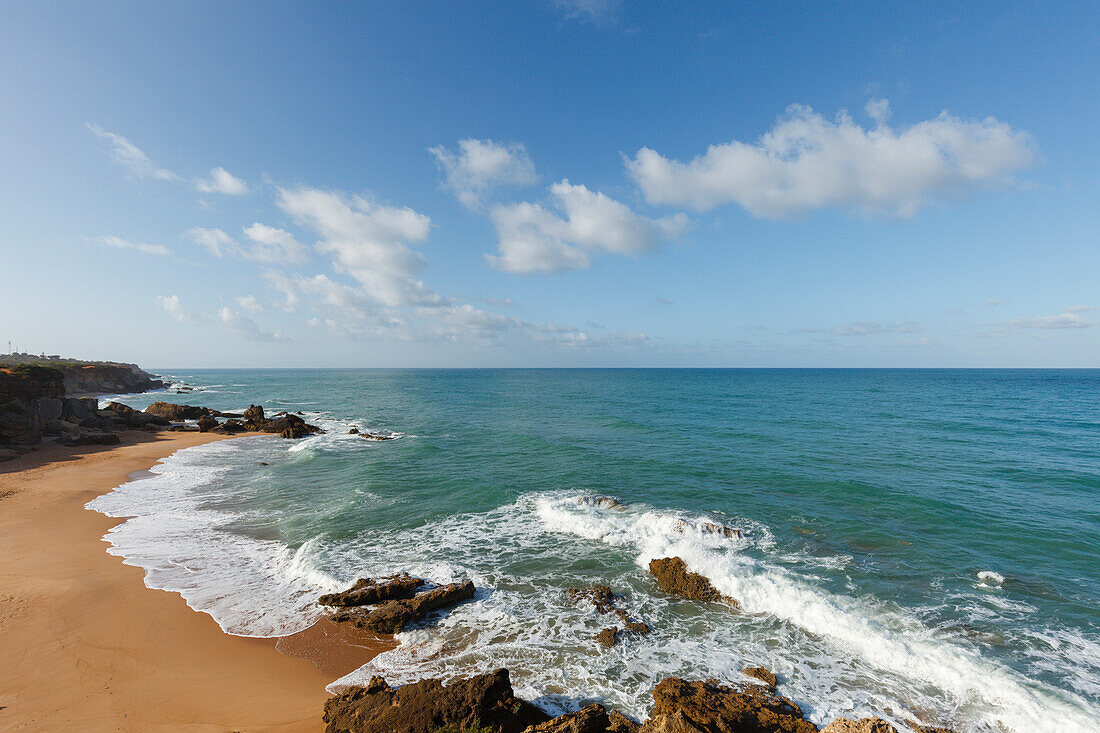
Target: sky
553,183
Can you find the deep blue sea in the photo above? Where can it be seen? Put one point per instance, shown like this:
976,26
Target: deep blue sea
920,545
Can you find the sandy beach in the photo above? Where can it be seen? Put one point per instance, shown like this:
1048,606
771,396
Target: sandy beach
84,645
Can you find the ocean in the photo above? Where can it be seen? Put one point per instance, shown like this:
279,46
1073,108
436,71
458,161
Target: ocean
922,545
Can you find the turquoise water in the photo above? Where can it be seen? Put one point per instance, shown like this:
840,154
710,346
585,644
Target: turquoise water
920,545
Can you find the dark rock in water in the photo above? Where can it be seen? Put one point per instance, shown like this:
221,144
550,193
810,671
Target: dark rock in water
608,636
254,413
392,616
761,673
427,706
375,436
673,577
708,707
263,463
353,431
599,596
288,425
603,599
207,423
600,502
374,590
930,729
863,725
88,439
591,719
682,526
229,427
175,412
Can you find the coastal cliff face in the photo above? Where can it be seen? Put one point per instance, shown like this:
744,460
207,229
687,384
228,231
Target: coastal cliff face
33,400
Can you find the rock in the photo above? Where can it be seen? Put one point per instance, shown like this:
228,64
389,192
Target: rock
608,636
175,412
49,409
761,673
353,431
230,427
288,425
254,413
119,408
619,723
207,423
930,729
427,706
591,719
864,725
88,439
673,577
376,436
7,454
600,502
392,616
682,526
374,590
709,707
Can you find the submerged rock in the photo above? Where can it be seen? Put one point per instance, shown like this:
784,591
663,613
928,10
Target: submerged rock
864,725
392,616
600,502
374,590
427,706
761,673
591,719
709,707
673,577
603,599
682,526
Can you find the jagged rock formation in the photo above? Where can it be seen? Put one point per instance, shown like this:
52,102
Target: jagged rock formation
682,526
591,719
709,707
674,578
761,673
600,502
374,590
603,599
287,424
426,706
392,616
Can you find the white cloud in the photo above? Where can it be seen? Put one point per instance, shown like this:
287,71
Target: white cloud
480,165
595,12
221,181
129,156
120,243
866,328
369,241
173,307
250,304
1069,318
490,300
269,245
245,327
807,162
274,245
285,287
532,239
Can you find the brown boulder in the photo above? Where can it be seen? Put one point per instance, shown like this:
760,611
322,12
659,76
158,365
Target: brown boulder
674,578
603,599
254,413
864,725
392,616
761,673
621,724
207,423
175,412
374,590
591,719
708,707
930,729
608,636
426,706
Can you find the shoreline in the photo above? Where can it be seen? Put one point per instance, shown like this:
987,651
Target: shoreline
86,645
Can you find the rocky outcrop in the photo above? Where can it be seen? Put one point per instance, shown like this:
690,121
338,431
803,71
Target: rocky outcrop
176,413
288,425
425,707
367,591
709,707
591,719
392,616
600,502
706,528
88,439
674,578
761,673
207,423
603,599
864,725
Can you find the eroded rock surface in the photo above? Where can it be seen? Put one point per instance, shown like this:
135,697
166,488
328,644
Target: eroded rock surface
761,673
673,577
392,616
374,590
591,719
424,707
603,599
709,707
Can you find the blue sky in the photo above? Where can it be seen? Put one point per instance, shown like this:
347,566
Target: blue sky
571,183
